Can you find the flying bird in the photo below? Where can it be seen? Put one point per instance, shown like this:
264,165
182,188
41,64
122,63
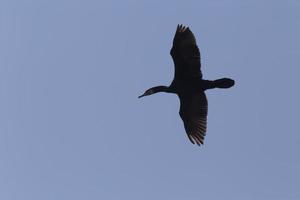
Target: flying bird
189,85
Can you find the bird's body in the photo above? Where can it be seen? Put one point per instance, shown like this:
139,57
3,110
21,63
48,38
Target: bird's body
189,85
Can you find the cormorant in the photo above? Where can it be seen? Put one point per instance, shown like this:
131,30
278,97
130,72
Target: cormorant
189,85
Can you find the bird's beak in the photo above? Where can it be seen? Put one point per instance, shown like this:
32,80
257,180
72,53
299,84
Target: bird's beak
142,95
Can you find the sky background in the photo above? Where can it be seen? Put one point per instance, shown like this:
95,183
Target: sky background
72,127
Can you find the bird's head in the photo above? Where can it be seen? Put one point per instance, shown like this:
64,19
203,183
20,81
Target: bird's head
148,92
154,90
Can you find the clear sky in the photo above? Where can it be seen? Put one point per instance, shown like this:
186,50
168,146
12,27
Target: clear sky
72,127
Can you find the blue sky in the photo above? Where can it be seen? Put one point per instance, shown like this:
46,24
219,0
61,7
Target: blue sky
72,127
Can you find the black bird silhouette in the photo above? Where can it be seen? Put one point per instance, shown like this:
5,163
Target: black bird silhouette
189,85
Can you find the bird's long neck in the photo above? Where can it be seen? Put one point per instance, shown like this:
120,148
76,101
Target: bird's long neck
161,88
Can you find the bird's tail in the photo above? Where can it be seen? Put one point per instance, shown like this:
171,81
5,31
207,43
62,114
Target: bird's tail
223,83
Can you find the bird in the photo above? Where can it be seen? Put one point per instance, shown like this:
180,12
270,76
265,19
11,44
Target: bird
189,85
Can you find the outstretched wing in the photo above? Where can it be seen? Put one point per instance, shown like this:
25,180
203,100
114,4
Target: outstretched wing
193,112
185,54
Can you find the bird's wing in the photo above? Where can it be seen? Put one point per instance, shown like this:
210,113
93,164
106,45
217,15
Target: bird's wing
193,112
185,54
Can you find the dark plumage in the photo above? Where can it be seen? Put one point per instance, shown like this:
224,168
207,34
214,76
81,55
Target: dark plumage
189,85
